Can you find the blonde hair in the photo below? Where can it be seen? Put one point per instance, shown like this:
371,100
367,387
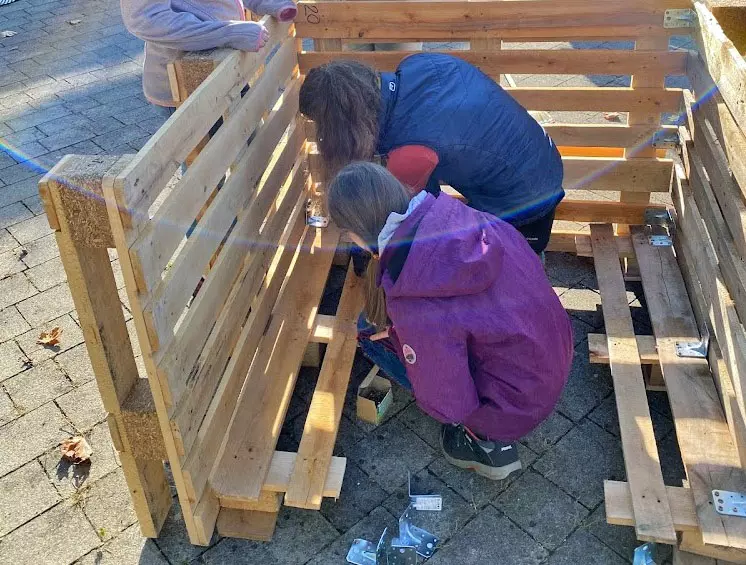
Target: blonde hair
361,197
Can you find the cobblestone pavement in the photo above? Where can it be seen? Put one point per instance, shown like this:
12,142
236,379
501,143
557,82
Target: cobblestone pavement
70,83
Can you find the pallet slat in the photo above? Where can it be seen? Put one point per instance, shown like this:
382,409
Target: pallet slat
455,20
253,434
651,508
706,448
519,61
598,348
619,510
322,422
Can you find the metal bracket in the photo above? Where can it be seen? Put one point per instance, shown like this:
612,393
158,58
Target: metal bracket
693,349
313,220
362,552
665,140
660,241
387,552
410,535
729,503
424,502
644,555
679,18
658,217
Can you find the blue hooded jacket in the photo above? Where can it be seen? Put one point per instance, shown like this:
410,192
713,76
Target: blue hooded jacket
489,148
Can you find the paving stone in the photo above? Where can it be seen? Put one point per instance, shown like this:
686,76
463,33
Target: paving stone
12,323
24,493
68,478
7,241
236,552
300,534
476,490
444,524
568,268
582,547
71,336
12,360
621,539
581,461
485,538
14,214
41,250
30,229
108,505
83,406
15,288
349,435
173,540
606,416
426,427
370,528
40,384
584,304
10,264
47,274
542,509
15,192
587,386
67,138
32,119
8,412
389,453
47,305
30,435
129,548
670,458
46,539
548,433
360,494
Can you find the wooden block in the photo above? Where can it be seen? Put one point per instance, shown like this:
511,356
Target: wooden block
323,329
706,448
150,492
691,542
269,501
141,423
322,423
599,349
246,524
281,469
651,508
619,510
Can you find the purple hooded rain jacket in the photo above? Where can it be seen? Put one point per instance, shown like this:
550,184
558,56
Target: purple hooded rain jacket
479,328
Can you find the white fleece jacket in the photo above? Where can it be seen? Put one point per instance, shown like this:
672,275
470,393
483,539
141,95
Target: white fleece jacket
170,27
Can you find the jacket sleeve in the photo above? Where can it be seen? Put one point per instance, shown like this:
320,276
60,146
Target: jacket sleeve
437,365
283,10
156,22
412,165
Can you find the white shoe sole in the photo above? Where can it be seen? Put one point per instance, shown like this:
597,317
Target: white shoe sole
492,473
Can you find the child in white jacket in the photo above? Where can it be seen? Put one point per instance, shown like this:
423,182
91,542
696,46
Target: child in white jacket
170,27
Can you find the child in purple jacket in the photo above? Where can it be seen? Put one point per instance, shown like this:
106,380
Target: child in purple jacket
476,326
170,27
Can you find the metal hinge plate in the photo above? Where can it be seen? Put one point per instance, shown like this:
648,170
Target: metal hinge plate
658,217
693,349
729,503
676,18
424,502
665,140
660,241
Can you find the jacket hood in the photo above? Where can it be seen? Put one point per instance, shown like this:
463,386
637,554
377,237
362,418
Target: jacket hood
451,251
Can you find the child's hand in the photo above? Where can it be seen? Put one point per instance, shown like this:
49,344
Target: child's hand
262,35
380,335
287,13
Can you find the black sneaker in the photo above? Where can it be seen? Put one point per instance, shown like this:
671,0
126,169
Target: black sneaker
491,459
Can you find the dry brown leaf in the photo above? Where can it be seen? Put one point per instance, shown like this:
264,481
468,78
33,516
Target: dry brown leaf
76,450
50,338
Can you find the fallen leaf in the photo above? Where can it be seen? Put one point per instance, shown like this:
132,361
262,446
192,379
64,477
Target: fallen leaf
8,33
76,450
74,22
613,116
50,338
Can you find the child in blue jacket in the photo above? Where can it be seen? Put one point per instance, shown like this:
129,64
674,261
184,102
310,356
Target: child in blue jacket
170,27
440,119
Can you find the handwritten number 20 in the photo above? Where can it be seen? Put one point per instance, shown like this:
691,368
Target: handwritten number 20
312,14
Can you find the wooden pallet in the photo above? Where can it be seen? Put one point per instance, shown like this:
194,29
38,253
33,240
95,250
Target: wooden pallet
710,458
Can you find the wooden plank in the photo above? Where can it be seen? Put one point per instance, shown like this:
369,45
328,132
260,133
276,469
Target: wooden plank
733,414
617,174
140,424
692,542
707,451
323,329
468,20
211,431
258,282
322,422
598,348
246,524
249,187
579,243
94,291
697,251
253,433
685,558
649,498
601,135
715,162
724,63
522,61
160,238
140,184
269,501
600,211
281,469
619,510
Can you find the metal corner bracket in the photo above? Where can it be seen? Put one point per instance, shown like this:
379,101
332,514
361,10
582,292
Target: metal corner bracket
679,18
